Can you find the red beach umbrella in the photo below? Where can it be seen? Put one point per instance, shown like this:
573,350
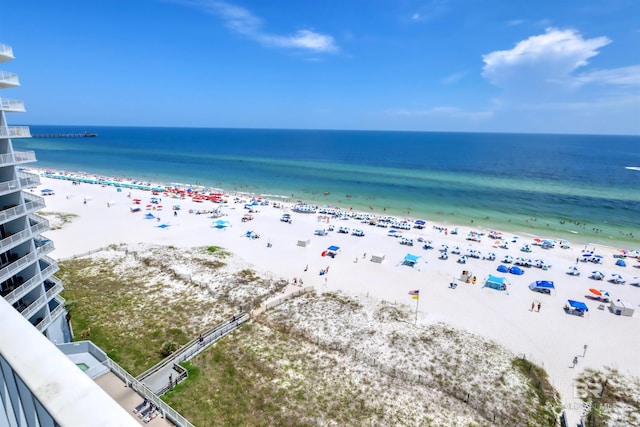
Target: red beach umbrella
595,292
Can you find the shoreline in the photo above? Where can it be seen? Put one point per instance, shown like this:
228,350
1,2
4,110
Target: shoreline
522,226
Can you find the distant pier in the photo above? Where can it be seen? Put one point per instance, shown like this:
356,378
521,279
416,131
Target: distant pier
65,135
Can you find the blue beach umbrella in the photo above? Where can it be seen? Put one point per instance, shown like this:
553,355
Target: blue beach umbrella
597,275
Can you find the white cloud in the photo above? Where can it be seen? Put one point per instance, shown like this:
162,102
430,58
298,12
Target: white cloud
624,76
515,22
242,21
453,78
548,57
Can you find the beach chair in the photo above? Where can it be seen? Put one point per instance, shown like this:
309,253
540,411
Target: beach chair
146,411
140,406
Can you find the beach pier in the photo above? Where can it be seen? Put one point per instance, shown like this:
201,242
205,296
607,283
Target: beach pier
65,135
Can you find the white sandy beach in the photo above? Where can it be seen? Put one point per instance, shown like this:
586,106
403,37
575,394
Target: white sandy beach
549,337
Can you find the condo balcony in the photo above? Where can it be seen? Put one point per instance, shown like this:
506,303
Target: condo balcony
18,157
26,180
8,79
15,131
29,308
12,106
56,309
6,53
32,204
12,240
20,287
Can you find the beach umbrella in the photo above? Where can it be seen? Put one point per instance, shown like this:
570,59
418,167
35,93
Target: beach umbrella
598,275
503,269
420,222
621,263
587,255
595,292
508,259
444,248
616,278
537,239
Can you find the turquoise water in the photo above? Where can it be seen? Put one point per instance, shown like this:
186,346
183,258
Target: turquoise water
565,186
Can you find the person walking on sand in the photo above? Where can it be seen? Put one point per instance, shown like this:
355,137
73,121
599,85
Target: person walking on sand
533,306
539,305
575,361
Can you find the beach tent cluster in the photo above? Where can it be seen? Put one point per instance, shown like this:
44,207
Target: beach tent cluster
513,269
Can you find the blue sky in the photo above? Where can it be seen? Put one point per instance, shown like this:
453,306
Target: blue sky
441,65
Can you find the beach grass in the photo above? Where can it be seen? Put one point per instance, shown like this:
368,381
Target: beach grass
127,314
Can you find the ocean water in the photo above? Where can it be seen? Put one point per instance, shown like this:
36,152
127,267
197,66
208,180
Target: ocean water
565,186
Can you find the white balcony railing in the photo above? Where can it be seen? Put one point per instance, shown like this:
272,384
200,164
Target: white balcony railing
17,157
9,79
15,132
56,289
22,290
12,105
6,51
32,204
34,306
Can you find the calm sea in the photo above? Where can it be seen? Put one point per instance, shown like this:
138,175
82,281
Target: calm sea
564,186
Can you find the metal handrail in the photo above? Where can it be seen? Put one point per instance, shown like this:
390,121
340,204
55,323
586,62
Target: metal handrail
6,50
194,346
18,156
57,288
11,105
33,307
9,77
15,131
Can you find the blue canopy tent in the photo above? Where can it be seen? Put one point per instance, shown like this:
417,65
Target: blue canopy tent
576,307
514,269
503,268
621,263
495,282
544,286
331,251
410,260
149,216
220,224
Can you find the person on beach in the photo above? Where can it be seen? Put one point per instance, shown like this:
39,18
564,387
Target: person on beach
533,306
306,268
539,305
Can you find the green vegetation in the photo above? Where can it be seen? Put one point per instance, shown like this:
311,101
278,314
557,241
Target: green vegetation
548,398
128,316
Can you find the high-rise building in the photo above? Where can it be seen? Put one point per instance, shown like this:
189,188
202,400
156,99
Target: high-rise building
27,279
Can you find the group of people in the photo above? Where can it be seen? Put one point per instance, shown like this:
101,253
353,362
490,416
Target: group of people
533,306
